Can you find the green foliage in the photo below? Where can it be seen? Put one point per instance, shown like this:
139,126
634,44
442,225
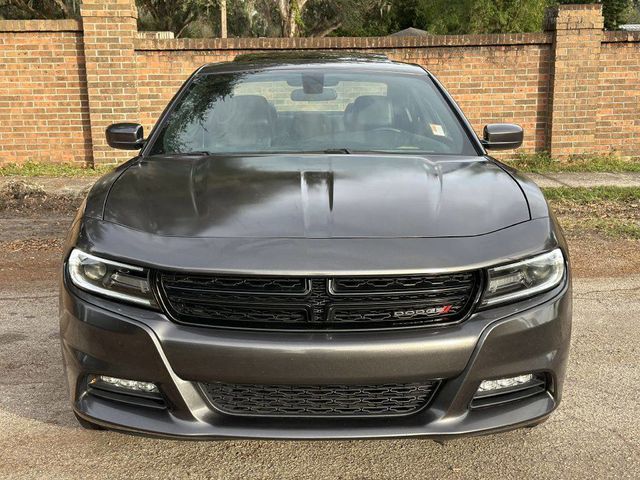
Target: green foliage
610,227
251,18
479,16
455,16
611,211
175,16
544,163
614,11
587,195
33,169
269,18
498,16
362,18
39,9
632,14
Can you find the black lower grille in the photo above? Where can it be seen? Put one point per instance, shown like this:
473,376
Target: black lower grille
319,400
318,303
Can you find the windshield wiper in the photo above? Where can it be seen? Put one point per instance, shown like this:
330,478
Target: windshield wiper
337,150
203,153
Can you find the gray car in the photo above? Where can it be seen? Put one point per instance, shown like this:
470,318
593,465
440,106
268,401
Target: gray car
314,246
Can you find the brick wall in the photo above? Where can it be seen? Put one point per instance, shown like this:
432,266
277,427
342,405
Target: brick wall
574,88
44,113
109,31
618,120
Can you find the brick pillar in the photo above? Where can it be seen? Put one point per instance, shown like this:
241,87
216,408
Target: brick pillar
574,88
109,32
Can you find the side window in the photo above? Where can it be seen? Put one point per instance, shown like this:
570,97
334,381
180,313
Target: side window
431,119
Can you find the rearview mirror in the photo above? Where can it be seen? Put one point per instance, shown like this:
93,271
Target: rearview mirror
125,136
299,95
502,136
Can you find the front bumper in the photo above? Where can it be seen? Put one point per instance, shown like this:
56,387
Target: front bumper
103,337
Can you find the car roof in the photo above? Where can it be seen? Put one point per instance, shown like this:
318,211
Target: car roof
281,60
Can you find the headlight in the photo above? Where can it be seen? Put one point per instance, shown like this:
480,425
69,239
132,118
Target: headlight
524,278
109,278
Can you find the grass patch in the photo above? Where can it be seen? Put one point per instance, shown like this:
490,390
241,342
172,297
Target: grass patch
33,169
609,211
610,227
544,163
584,195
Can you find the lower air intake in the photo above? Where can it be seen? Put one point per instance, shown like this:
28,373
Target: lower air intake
319,400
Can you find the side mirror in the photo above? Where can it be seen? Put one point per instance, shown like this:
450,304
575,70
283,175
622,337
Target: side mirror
126,136
502,136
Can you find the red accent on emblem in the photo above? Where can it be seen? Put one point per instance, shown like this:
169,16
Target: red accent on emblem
446,309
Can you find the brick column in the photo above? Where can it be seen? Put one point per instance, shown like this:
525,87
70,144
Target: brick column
574,87
109,32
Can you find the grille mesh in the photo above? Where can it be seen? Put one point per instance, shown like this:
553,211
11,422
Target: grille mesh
242,284
398,284
317,303
319,400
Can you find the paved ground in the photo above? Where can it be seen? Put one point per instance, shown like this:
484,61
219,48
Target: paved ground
595,433
54,185
594,179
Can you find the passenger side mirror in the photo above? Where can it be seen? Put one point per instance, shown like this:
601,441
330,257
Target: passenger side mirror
502,136
125,136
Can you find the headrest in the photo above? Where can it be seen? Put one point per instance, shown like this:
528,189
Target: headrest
242,108
370,111
241,120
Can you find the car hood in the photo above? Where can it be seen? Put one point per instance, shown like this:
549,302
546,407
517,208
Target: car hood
316,196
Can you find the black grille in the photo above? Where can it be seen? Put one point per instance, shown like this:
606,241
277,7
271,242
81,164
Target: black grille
318,303
243,284
319,400
397,284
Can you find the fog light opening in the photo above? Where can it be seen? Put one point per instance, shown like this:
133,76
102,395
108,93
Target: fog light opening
509,389
494,386
122,390
124,384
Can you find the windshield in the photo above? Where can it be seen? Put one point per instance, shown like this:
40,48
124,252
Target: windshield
312,111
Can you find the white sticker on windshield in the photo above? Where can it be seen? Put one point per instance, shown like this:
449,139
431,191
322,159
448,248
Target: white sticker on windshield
437,129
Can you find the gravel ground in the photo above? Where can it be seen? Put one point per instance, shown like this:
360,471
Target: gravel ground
595,433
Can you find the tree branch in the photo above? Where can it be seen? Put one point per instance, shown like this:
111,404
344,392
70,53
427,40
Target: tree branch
25,7
64,7
328,30
186,23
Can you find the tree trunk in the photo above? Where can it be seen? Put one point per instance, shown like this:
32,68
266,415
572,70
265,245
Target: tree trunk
292,26
290,11
223,18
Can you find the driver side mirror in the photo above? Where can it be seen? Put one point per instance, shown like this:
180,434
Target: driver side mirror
125,136
502,136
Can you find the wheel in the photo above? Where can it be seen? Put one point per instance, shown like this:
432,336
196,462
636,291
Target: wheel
87,424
